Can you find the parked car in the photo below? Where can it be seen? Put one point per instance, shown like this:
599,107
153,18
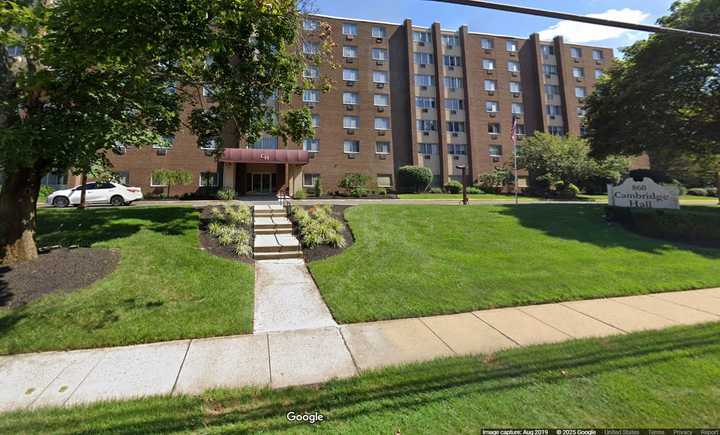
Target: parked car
96,193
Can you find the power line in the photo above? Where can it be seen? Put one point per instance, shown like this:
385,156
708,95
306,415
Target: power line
580,18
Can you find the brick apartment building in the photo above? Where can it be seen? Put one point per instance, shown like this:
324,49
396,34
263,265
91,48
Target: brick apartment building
403,95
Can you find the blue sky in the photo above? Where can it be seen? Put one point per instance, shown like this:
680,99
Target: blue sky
424,13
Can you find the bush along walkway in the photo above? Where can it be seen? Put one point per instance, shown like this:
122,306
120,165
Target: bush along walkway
315,356
286,297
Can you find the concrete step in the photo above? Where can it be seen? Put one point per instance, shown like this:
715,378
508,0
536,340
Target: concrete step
266,231
266,243
269,211
270,214
272,222
277,255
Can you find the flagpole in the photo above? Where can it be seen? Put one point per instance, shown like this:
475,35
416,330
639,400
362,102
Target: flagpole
515,158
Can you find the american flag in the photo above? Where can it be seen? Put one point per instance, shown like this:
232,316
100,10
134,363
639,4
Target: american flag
514,131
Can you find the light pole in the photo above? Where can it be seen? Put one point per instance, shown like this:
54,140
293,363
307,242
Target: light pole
463,168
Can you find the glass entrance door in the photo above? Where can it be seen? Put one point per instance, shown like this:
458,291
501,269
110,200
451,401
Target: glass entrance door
261,183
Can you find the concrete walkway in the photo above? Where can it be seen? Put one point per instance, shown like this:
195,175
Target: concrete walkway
312,356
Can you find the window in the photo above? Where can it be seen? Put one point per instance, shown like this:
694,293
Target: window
426,125
580,92
495,150
311,72
311,25
350,122
513,66
490,85
311,47
517,109
311,96
349,29
381,100
167,142
511,46
583,131
207,91
350,98
575,52
350,75
428,148
380,77
578,72
598,73
598,55
457,149
309,180
550,70
379,54
14,51
556,131
311,145
521,129
122,177
452,61
580,112
453,82
425,102
515,87
494,128
384,180
266,143
379,32
382,123
153,182
454,104
487,44
210,144
424,80
552,90
423,58
350,51
316,121
456,127
425,37
548,50
450,40
492,106
488,64
208,179
351,146
553,110
382,148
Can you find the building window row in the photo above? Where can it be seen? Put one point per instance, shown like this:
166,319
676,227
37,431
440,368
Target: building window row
491,86
353,98
353,123
489,65
451,41
353,75
457,149
494,107
377,54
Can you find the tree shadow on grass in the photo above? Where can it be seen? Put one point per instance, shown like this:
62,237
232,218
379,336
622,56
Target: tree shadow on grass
5,294
90,226
586,224
397,389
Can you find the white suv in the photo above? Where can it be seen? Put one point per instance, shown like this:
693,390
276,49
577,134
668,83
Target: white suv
96,193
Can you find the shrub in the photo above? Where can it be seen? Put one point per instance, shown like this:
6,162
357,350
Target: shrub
215,228
300,194
472,190
453,186
318,226
697,191
317,188
45,191
217,215
493,182
691,226
415,178
435,190
239,215
567,190
226,194
712,191
355,184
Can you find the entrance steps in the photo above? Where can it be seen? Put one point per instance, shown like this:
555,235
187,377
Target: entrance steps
273,234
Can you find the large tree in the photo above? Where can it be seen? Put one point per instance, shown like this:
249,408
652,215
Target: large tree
79,77
663,97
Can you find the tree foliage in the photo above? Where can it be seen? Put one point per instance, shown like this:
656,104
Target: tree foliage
171,178
415,178
665,93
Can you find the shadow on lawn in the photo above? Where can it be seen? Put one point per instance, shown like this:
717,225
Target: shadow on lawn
586,224
90,226
398,389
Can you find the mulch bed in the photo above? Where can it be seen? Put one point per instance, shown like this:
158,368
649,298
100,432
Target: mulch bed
210,244
325,251
60,270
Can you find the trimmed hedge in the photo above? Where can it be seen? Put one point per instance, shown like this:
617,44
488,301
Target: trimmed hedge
687,226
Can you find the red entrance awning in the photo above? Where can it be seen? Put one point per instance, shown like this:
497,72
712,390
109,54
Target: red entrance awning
249,155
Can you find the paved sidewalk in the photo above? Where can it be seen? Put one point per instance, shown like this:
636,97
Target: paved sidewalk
314,356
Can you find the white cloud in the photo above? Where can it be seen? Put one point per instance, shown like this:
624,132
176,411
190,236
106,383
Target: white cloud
581,32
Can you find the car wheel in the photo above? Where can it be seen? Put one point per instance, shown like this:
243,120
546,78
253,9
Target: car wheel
117,201
61,202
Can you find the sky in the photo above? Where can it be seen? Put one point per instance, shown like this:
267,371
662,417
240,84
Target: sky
425,12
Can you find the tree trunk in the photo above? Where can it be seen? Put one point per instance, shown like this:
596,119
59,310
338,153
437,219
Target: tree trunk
83,190
717,184
18,209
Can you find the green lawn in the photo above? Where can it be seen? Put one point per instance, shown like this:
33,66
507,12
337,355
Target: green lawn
654,379
458,197
164,288
411,261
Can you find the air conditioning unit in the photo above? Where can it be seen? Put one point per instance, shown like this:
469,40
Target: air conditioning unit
496,159
350,156
380,109
350,60
579,79
382,156
349,107
450,47
493,136
381,132
380,63
454,112
456,134
488,51
493,114
451,68
310,105
491,93
350,131
349,37
456,158
598,62
380,85
548,76
516,94
379,40
425,111
312,154
423,88
162,151
489,72
350,83
576,60
552,116
427,157
421,44
426,133
514,74
422,65
513,54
